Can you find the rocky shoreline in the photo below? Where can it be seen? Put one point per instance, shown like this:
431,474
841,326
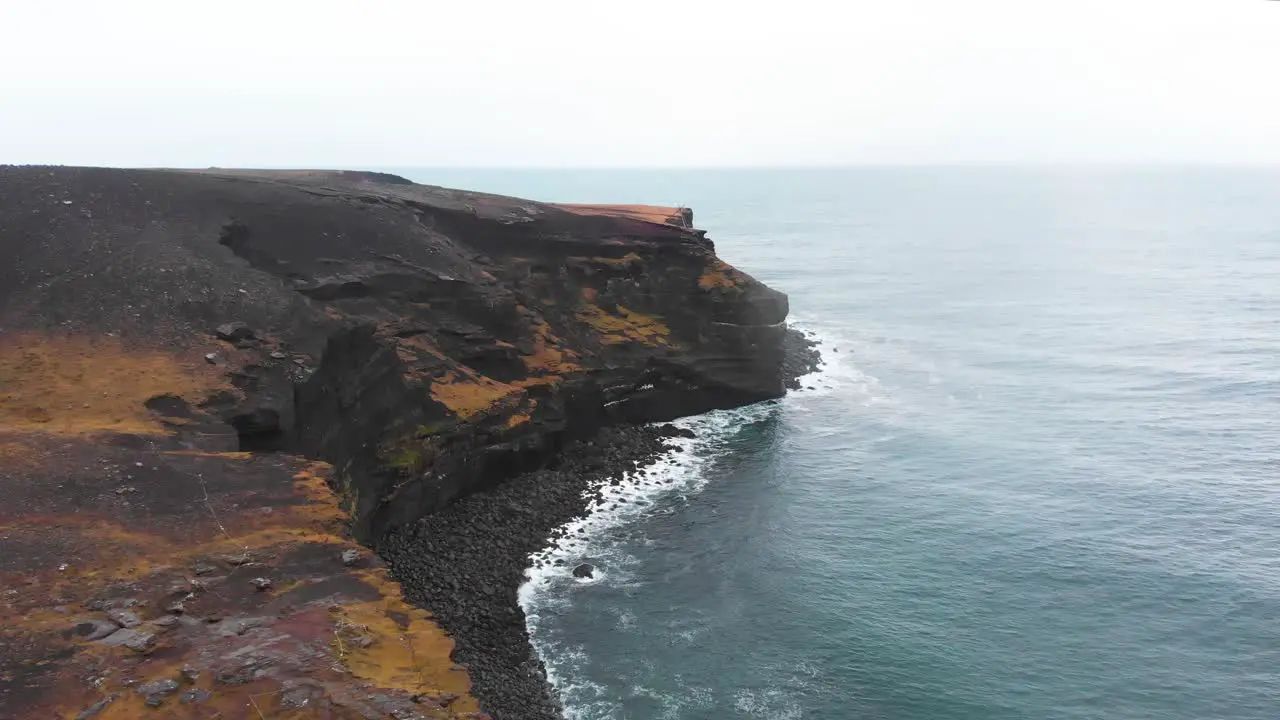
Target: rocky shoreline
467,562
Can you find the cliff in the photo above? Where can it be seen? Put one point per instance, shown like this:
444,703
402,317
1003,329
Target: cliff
213,382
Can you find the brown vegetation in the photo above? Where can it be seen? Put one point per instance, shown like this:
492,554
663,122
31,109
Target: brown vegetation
80,385
663,215
718,274
624,327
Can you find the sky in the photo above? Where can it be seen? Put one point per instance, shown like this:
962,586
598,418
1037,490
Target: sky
564,83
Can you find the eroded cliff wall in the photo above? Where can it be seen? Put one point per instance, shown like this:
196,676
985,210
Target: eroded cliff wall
408,344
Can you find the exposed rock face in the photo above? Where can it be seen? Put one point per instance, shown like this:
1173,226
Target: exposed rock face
426,343
438,341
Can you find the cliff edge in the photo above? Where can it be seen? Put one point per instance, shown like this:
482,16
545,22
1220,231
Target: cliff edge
213,382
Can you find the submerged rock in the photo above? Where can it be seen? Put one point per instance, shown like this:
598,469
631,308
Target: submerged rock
585,570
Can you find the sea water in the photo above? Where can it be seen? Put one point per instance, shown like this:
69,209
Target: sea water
1037,476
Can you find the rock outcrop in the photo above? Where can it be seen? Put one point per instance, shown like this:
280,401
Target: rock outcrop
230,375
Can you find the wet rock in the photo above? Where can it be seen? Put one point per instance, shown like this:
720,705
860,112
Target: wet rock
124,618
240,626
137,640
194,695
243,672
94,629
300,695
156,691
234,331
585,570
677,431
93,710
165,622
158,687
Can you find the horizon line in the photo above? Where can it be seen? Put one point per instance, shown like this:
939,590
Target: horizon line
1036,165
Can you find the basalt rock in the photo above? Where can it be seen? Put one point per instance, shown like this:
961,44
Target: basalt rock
199,336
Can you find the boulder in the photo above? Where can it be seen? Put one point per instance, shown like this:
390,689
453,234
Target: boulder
234,332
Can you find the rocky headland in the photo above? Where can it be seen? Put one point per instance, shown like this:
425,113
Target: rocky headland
222,391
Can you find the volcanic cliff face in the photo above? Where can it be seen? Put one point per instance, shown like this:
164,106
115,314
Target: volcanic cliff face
219,369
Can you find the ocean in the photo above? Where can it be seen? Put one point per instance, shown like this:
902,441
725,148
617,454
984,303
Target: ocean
1036,477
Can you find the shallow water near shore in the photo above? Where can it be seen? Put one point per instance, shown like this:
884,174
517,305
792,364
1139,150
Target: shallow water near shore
1035,479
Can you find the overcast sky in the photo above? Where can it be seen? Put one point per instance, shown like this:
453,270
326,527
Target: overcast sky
568,83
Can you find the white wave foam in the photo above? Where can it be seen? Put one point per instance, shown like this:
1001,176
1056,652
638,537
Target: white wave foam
838,370
767,704
659,487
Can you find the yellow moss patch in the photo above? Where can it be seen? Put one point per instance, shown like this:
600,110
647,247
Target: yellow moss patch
76,385
522,416
627,260
659,214
206,454
549,357
324,507
408,651
626,326
718,275
468,393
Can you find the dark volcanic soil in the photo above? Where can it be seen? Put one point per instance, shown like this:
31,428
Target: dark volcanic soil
467,562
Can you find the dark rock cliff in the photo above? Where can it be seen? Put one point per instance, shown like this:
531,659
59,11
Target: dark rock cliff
209,380
427,342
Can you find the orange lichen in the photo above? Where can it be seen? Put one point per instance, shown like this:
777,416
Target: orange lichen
521,415
631,259
718,274
468,393
549,357
230,455
74,386
625,326
395,645
310,482
659,214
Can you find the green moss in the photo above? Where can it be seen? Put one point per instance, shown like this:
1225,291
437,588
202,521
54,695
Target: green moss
406,459
435,428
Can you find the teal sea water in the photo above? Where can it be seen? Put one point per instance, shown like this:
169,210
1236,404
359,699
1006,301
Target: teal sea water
1037,478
